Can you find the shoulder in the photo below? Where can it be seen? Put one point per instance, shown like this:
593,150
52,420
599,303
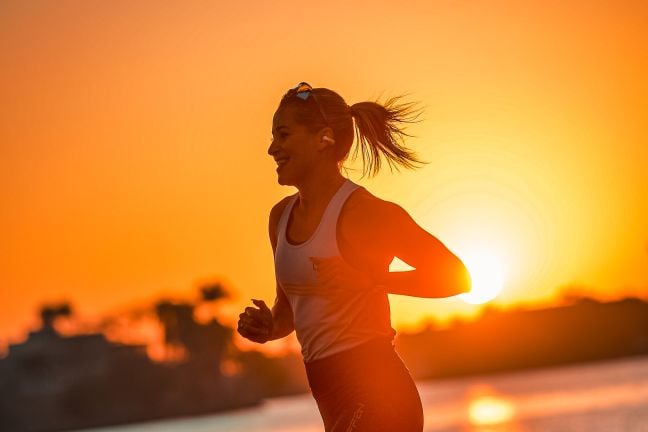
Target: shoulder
275,214
370,225
278,209
365,206
367,215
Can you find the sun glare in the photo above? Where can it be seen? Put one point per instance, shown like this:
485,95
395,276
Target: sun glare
490,410
487,277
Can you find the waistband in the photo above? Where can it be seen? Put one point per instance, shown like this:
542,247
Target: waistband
359,352
356,367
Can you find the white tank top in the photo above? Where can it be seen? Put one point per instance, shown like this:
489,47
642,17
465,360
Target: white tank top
326,326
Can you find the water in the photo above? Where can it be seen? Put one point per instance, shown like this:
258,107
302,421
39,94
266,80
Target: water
597,397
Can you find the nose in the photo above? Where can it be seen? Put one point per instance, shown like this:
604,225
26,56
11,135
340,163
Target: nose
272,149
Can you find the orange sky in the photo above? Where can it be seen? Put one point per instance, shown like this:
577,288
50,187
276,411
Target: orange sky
133,139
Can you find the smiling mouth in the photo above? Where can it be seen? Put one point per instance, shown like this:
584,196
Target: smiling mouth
282,162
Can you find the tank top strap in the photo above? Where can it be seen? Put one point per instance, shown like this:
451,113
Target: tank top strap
327,232
283,220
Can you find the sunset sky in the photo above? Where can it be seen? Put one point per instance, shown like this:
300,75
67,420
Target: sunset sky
134,137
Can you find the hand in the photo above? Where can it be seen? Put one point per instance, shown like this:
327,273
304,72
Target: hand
256,324
336,276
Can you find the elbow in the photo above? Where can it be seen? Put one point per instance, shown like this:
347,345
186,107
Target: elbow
458,280
464,281
443,278
448,280
282,324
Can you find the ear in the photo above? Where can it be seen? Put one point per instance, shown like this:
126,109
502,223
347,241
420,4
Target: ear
326,138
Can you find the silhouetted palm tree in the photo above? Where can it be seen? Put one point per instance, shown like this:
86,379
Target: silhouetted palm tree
50,313
213,292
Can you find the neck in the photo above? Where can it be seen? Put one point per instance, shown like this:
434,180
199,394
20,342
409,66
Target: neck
316,191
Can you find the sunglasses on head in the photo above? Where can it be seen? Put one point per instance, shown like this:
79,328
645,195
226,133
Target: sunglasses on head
303,90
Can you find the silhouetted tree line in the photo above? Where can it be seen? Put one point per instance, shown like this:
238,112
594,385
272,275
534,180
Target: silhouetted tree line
519,339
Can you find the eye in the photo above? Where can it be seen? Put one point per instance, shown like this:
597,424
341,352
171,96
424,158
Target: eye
279,136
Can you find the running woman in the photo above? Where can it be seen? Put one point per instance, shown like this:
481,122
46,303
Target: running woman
333,242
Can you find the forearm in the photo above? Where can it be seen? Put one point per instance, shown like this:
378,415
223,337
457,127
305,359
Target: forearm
416,283
282,324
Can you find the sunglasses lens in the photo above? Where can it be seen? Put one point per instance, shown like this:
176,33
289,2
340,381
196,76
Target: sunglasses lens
302,90
303,86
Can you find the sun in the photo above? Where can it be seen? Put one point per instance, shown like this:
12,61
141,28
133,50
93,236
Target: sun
486,274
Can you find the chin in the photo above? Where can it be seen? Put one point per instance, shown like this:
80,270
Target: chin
284,181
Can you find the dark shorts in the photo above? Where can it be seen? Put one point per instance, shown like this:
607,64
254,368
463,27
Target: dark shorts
366,388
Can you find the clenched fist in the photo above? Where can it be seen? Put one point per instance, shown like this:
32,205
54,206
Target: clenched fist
256,324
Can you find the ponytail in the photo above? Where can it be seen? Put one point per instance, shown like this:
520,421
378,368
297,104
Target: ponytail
379,129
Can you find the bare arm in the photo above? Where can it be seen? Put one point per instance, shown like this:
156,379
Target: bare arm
282,316
261,325
388,228
416,283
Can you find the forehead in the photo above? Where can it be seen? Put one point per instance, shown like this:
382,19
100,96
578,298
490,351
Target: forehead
284,117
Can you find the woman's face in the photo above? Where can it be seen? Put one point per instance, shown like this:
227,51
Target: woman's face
293,147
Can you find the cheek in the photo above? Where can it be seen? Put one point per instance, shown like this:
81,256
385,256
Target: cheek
297,148
297,141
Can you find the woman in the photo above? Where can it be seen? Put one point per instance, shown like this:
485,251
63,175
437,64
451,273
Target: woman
333,242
